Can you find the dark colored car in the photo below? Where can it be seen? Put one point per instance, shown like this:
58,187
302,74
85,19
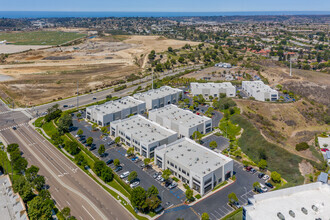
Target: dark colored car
260,175
248,168
92,148
109,161
237,205
269,185
14,128
119,168
167,183
65,106
158,209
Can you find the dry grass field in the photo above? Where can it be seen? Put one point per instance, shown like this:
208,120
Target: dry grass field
286,124
44,75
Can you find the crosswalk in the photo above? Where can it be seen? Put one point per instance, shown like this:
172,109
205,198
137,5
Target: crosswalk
18,125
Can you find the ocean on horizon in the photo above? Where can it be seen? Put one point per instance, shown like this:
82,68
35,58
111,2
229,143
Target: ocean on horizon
61,14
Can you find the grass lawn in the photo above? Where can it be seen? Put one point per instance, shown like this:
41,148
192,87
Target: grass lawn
49,128
38,123
40,37
236,215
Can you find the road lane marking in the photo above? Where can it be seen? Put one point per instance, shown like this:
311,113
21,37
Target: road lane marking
88,212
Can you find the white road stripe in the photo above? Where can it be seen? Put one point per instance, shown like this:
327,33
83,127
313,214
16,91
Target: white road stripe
88,212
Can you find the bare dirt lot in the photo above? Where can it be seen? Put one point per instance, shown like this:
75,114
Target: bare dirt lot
286,124
47,74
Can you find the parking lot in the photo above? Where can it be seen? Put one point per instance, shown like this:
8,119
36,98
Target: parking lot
170,197
222,142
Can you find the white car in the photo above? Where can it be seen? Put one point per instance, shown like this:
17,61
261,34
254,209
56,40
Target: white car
124,175
135,184
266,177
263,188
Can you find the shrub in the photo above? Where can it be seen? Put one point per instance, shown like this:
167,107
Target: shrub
302,146
198,196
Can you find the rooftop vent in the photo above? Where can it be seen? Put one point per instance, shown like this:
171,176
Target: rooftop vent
280,216
293,215
304,210
315,208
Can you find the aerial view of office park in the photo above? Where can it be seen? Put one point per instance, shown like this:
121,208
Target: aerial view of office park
124,110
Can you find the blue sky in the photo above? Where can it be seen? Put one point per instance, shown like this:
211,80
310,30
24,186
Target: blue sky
165,5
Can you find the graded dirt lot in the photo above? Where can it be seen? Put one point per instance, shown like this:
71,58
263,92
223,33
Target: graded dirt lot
51,73
286,124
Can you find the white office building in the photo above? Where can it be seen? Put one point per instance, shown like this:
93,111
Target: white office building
11,204
305,202
157,98
212,89
259,91
199,167
182,121
115,110
142,134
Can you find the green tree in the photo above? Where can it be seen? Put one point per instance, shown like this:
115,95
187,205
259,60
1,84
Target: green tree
132,176
57,138
24,188
12,147
44,194
117,140
101,149
106,174
146,161
170,49
80,159
20,165
79,115
39,182
190,194
166,174
213,144
276,177
89,141
40,209
232,197
72,147
152,202
152,190
181,59
31,173
64,123
104,130
98,166
197,135
138,197
80,132
262,164
66,212
256,185
130,151
186,101
116,162
205,216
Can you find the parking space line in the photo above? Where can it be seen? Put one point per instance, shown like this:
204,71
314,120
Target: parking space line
222,211
218,213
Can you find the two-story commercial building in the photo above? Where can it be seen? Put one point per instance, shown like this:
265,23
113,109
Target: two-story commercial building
115,110
182,121
199,167
259,91
157,98
212,89
142,134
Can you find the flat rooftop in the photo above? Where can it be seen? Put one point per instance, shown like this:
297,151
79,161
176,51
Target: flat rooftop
313,197
180,116
143,129
259,85
194,156
157,93
209,85
116,105
324,141
11,207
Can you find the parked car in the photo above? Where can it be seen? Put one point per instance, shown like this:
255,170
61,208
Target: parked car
158,209
77,135
94,98
173,185
14,128
260,175
248,169
119,168
92,148
65,106
143,166
155,175
263,188
83,141
266,177
269,185
236,204
159,177
124,175
134,158
109,161
135,184
111,142
168,183
253,170
324,149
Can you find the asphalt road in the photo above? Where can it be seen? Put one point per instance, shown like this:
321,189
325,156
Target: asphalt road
69,186
101,95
